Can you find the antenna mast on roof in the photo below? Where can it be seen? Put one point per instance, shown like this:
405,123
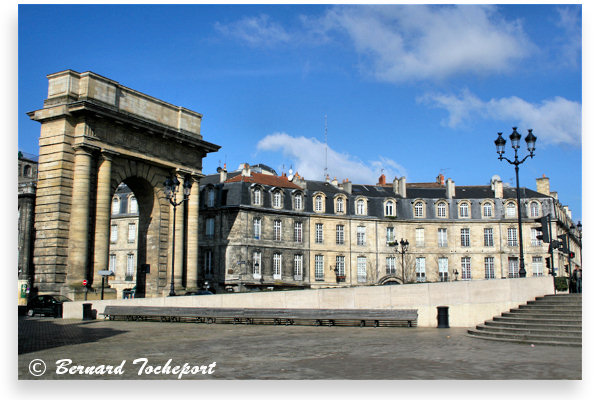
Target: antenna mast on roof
326,174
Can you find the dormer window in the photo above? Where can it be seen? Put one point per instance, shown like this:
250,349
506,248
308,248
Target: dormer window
339,205
418,210
511,210
534,209
210,198
463,210
297,202
133,205
487,210
389,209
319,203
256,197
442,210
116,206
277,199
360,207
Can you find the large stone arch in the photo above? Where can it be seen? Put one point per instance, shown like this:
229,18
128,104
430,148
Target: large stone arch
95,134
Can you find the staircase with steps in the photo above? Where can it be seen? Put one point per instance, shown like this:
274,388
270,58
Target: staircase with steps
552,320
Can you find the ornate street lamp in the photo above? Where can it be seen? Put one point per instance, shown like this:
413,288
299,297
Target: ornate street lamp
171,190
403,250
515,138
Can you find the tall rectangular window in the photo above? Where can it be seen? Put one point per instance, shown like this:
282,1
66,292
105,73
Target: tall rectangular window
390,265
389,234
298,267
208,262
319,272
318,233
256,265
298,232
512,237
442,237
488,237
131,233
339,234
361,269
257,228
298,202
420,237
277,230
276,266
277,200
443,269
112,263
340,265
210,227
420,269
210,201
130,267
538,266
256,197
114,233
534,240
489,268
513,267
361,236
465,237
465,263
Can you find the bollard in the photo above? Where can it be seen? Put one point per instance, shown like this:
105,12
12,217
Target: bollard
442,317
87,311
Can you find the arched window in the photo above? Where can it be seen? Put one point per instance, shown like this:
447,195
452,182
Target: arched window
389,208
210,198
511,210
319,203
441,210
487,209
534,209
256,197
133,205
339,205
360,207
298,201
463,210
277,199
419,209
116,206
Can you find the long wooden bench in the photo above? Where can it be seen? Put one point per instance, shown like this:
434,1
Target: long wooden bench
276,316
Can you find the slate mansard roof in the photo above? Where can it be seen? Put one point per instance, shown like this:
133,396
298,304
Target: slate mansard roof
236,190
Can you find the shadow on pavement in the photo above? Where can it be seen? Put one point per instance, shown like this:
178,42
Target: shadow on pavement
37,334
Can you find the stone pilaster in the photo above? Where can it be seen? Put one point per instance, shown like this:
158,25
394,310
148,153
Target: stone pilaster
179,239
192,242
80,210
103,201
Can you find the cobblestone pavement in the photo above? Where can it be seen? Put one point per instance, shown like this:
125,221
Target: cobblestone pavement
282,352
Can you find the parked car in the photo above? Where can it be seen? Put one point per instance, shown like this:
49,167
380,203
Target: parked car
46,305
199,293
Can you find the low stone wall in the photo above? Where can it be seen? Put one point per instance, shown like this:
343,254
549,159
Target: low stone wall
470,302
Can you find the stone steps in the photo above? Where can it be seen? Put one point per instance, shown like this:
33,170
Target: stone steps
551,320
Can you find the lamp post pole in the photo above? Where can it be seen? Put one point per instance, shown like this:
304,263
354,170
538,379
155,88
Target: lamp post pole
515,138
403,250
171,189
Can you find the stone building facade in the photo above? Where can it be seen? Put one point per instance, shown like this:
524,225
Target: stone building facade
263,231
26,190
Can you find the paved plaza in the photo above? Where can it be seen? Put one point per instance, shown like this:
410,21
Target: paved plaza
224,351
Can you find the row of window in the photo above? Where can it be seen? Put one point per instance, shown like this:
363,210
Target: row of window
464,207
257,266
361,234
132,205
131,233
129,271
419,268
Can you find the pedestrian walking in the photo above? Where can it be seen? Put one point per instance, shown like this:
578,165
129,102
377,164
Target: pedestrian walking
577,277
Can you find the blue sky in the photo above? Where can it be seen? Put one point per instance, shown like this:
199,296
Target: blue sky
412,90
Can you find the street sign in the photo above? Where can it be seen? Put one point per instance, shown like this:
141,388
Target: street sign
105,273
85,282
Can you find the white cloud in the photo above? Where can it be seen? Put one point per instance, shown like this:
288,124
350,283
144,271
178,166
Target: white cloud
556,120
401,43
569,20
308,156
256,31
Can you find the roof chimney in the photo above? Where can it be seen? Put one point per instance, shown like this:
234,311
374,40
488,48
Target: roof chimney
498,188
450,188
334,182
400,186
347,186
543,185
223,174
246,170
381,180
440,179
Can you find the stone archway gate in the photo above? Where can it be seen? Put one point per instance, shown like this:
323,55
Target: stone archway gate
96,133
